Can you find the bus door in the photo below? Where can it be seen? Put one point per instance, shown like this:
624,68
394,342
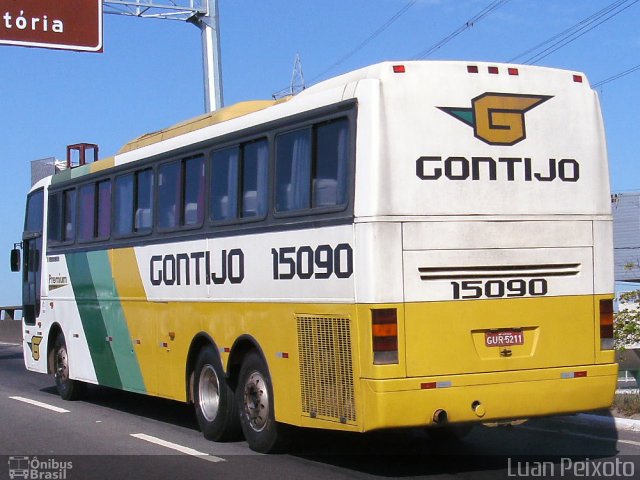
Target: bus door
32,257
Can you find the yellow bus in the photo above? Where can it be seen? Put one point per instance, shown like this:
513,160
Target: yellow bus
418,244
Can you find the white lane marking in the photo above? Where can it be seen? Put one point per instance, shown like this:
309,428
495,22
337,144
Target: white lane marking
179,448
583,435
40,404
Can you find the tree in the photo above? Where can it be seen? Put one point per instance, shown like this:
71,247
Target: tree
626,326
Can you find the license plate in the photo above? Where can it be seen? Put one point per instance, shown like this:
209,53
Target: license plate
503,338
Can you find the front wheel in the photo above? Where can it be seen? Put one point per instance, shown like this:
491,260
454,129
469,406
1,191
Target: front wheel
254,396
67,388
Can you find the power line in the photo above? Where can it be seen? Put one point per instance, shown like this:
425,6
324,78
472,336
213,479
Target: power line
569,30
616,76
468,24
574,32
366,41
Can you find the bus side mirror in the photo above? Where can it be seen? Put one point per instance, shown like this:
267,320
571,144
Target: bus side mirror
15,260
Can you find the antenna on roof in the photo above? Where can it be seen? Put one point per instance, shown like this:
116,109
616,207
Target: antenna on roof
297,81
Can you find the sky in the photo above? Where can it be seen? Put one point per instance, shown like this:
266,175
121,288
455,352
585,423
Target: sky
150,74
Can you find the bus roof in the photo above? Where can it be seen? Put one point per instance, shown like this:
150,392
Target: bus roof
202,121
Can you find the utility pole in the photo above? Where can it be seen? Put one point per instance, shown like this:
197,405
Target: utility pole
201,13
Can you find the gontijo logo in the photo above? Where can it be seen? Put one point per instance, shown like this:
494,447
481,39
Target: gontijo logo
497,118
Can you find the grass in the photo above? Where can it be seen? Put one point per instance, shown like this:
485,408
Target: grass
627,404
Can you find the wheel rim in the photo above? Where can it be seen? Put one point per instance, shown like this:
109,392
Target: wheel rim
209,393
256,401
62,366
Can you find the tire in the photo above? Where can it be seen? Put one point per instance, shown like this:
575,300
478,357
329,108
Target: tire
214,402
255,400
67,388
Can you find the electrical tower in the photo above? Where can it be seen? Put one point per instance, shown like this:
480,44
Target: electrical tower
201,13
297,81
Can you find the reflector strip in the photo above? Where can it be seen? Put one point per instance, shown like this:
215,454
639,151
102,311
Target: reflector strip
579,374
430,385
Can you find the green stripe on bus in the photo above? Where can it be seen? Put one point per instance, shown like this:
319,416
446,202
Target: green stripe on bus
115,322
93,323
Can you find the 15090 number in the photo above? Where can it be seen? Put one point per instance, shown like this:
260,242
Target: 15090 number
499,288
307,262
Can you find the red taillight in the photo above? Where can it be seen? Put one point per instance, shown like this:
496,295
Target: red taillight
577,78
513,71
399,69
384,335
606,324
472,68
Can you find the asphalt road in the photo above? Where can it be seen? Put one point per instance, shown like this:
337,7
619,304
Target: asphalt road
118,435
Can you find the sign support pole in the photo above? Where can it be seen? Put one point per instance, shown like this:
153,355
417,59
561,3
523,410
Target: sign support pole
209,25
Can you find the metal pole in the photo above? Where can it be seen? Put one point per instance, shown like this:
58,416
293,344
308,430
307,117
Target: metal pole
209,25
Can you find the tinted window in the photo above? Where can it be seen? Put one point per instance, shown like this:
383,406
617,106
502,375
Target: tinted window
54,230
330,169
311,166
293,170
255,161
35,206
169,195
104,209
69,201
144,201
193,213
224,184
124,204
86,220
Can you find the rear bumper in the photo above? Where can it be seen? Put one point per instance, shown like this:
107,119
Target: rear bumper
503,395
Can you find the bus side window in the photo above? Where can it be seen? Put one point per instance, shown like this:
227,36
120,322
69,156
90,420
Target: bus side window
124,204
104,209
69,221
293,170
330,175
169,193
255,161
54,228
144,201
224,184
193,210
86,222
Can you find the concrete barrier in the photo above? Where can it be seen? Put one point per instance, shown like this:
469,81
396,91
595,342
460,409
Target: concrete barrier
11,331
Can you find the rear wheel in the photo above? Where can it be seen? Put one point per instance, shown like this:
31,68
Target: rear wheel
254,397
68,389
215,407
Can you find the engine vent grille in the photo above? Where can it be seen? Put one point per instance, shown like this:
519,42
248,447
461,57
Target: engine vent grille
326,373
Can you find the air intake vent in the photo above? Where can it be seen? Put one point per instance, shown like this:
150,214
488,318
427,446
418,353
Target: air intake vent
326,373
499,271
